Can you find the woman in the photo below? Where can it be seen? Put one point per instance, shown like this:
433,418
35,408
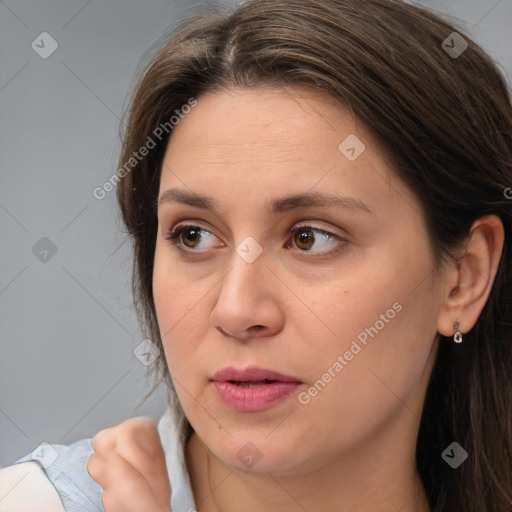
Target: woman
320,207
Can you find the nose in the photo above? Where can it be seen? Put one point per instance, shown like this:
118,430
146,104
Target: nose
248,304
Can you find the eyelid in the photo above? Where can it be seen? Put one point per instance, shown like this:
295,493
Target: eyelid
173,234
309,224
176,231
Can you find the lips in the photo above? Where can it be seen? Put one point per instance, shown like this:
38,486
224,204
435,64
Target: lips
253,389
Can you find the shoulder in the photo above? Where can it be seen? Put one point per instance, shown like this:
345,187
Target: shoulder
25,487
49,472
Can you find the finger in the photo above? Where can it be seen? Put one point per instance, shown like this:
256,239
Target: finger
98,469
142,432
128,455
126,491
121,481
138,443
104,446
113,502
105,440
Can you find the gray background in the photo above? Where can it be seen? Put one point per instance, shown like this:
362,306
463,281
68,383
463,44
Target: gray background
68,328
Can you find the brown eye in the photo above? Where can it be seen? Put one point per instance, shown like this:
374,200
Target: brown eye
307,238
304,238
190,236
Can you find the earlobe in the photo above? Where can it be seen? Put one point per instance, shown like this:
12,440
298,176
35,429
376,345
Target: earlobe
469,281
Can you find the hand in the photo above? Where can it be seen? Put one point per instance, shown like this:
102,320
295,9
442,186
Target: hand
129,463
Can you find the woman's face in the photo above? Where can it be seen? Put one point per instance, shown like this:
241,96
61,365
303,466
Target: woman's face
344,309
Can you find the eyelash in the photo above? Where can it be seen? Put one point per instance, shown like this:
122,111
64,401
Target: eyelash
173,237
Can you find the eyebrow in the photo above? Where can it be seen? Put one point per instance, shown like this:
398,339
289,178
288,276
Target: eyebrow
275,206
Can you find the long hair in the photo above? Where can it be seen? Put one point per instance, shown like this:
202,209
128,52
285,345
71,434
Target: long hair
441,111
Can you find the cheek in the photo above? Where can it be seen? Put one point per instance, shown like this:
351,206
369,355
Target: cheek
181,322
180,325
179,311
376,314
383,318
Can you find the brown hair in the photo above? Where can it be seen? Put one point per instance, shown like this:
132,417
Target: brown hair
446,126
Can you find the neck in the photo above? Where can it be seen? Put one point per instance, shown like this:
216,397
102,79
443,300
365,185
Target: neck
367,479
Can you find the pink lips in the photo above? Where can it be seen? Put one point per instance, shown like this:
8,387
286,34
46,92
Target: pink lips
253,389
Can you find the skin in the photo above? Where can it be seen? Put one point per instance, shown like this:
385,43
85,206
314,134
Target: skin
352,447
129,463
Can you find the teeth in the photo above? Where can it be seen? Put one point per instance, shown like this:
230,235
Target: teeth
252,384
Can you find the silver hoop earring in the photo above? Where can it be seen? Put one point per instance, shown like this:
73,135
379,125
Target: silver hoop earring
457,337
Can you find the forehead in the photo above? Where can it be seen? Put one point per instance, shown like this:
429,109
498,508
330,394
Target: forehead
255,123
274,142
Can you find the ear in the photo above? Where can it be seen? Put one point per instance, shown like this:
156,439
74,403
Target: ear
468,281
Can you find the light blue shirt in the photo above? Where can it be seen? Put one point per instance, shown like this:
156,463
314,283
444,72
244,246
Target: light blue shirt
66,468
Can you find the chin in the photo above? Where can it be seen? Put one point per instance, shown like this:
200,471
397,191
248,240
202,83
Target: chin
261,456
